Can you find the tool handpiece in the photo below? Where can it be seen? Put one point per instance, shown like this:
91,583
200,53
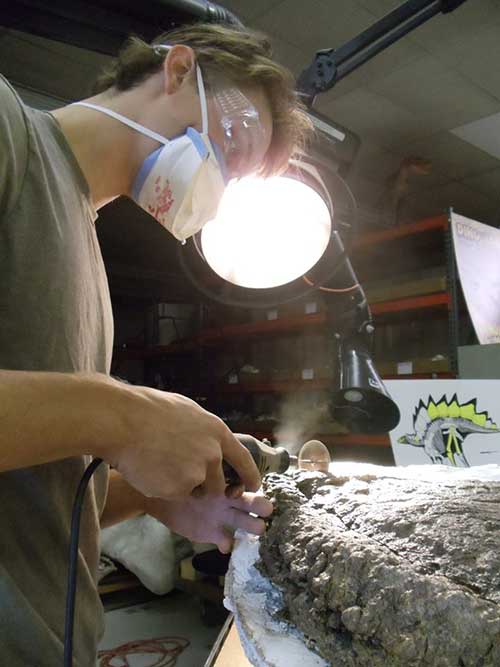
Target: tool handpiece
267,458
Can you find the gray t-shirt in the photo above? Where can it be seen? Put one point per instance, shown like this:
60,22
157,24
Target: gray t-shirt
55,315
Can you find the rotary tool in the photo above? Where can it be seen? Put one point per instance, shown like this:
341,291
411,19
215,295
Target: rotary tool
267,458
313,456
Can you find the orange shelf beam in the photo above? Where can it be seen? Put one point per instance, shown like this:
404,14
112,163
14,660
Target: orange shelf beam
288,386
283,387
402,231
411,303
284,325
299,322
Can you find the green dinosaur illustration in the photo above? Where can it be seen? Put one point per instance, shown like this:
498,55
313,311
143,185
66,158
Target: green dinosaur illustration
440,427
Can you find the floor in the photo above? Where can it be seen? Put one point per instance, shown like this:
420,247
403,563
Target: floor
176,614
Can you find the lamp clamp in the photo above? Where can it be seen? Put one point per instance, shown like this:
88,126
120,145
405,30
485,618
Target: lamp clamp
320,76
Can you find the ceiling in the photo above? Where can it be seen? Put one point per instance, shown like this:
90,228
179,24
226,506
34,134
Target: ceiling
405,102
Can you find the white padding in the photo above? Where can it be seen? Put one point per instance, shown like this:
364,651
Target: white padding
145,547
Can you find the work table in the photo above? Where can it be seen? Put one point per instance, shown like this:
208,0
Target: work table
227,651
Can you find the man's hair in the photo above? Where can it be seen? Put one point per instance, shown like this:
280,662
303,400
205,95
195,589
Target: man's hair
239,54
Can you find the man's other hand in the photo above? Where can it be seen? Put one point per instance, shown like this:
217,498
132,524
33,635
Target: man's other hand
213,518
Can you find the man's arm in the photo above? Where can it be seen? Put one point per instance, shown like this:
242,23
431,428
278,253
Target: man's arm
164,444
50,416
122,502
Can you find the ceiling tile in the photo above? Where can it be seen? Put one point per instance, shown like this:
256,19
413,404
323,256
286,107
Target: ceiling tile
319,24
442,98
52,67
379,7
488,183
289,55
464,199
324,101
390,60
374,163
467,38
376,118
43,46
480,60
459,26
452,158
249,9
483,133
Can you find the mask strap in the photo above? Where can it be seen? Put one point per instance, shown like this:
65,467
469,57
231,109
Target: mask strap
125,121
203,101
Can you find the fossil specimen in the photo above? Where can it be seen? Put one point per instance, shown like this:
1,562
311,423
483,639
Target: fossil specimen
388,571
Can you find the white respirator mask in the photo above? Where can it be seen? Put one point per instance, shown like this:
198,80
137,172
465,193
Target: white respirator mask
181,183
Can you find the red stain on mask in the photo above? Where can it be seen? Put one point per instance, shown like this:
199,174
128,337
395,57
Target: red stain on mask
163,200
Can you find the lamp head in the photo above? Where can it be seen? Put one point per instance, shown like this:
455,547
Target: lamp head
267,233
360,400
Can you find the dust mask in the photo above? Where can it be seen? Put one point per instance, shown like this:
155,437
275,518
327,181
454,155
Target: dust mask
181,183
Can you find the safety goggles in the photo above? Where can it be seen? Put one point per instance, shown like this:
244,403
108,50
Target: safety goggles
234,125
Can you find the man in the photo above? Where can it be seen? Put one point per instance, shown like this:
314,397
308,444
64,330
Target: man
171,120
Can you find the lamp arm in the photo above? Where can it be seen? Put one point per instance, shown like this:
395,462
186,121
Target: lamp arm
331,65
359,399
349,313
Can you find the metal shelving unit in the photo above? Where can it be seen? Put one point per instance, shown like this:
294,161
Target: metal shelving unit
431,232
213,337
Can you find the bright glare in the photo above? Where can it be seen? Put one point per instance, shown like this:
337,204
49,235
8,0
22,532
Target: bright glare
267,232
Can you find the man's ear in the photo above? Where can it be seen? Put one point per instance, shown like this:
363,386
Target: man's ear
178,67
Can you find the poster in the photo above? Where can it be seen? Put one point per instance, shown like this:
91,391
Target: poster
446,422
477,252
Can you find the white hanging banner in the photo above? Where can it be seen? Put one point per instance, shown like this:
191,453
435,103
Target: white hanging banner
477,252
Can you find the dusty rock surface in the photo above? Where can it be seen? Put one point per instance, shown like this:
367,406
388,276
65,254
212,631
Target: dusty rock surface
390,572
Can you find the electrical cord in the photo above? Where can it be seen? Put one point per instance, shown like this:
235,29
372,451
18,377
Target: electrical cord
76,515
165,649
164,652
344,290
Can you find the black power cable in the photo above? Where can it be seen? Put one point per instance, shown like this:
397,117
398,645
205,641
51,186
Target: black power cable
76,515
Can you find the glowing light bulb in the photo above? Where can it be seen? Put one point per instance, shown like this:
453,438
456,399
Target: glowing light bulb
314,456
267,232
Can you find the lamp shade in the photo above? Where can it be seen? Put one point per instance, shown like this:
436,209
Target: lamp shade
267,232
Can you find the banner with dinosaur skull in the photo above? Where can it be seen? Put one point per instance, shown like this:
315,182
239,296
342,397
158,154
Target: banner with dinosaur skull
446,422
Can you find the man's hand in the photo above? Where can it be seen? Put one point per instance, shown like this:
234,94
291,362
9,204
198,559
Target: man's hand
165,445
212,517
169,446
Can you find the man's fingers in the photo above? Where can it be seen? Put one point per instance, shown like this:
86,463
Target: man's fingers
225,546
242,521
240,459
252,504
214,483
235,491
224,541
